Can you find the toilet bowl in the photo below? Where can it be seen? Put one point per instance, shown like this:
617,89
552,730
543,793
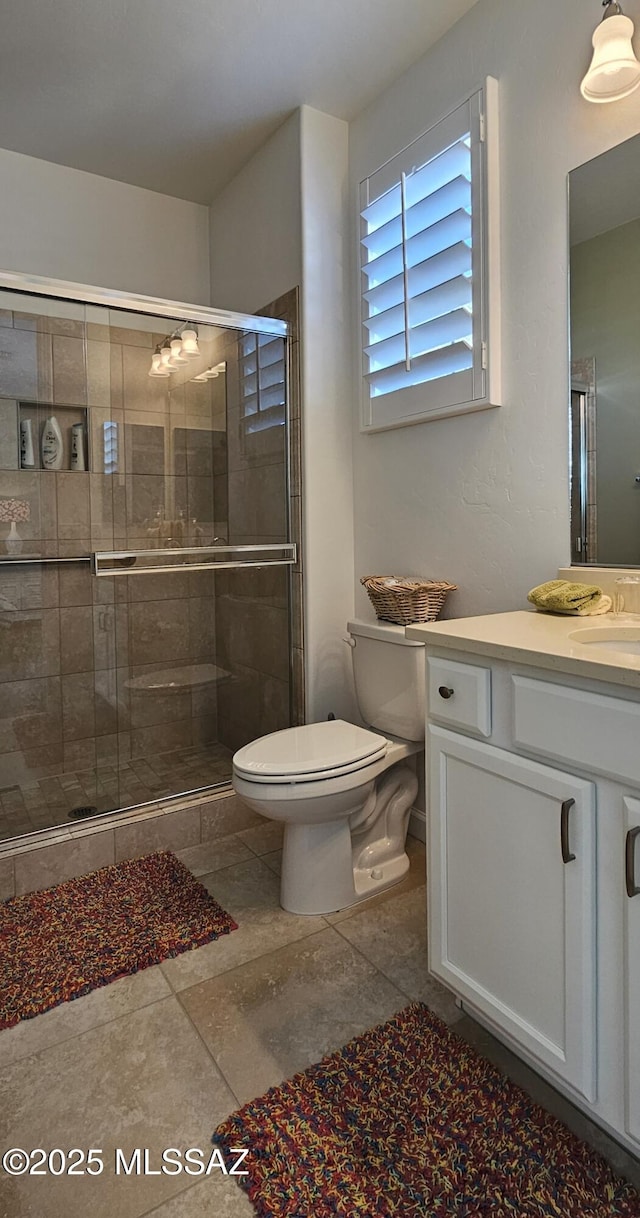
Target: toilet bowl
344,792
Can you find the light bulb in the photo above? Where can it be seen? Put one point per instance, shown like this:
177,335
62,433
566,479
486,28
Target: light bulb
190,346
165,355
614,71
211,374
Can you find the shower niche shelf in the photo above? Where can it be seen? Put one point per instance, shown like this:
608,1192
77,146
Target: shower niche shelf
17,412
68,417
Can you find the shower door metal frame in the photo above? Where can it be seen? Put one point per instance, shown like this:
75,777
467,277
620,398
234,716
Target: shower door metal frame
60,289
110,298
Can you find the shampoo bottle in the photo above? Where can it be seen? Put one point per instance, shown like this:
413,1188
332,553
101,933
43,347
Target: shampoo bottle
51,444
77,446
27,458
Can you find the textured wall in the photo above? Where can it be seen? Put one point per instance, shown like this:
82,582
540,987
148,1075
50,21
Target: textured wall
483,500
71,225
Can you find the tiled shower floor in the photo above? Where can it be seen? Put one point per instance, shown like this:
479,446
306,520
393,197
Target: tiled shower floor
44,802
159,1058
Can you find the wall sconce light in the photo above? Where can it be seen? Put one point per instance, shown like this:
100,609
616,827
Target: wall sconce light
177,358
157,368
211,374
614,71
176,349
190,346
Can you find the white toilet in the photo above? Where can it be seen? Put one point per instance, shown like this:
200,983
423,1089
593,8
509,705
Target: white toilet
341,790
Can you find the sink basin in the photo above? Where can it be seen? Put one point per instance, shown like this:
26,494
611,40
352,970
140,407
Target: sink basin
619,638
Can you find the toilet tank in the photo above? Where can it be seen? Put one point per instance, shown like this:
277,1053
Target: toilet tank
389,672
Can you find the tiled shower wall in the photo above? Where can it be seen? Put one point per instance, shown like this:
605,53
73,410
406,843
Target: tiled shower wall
257,638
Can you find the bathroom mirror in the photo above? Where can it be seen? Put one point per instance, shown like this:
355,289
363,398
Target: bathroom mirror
604,237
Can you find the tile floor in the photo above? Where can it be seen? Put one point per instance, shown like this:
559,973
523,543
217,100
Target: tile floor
45,802
158,1059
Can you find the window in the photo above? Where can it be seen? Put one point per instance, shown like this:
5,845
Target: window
263,382
428,242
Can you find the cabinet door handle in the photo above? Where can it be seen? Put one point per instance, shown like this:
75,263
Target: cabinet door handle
633,890
445,692
567,805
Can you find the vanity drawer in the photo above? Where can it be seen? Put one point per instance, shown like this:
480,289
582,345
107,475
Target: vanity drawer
460,695
598,733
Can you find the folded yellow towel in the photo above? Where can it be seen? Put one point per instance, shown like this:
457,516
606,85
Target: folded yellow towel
603,605
561,596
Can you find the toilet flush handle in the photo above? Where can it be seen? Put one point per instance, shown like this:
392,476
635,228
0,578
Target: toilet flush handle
349,640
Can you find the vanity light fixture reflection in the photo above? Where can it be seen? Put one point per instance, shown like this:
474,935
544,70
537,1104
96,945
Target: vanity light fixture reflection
210,374
614,71
175,350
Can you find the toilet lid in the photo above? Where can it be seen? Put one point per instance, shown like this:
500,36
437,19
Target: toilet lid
316,749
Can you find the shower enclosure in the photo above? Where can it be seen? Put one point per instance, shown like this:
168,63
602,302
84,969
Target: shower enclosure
145,554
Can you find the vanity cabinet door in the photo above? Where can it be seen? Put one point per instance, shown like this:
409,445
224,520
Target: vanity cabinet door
512,898
632,965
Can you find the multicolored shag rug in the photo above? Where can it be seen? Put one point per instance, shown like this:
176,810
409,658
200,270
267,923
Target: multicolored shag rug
65,941
409,1121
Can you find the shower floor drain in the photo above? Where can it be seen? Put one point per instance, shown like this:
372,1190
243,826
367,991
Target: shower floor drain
82,811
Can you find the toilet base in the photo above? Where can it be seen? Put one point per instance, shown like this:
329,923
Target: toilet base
338,884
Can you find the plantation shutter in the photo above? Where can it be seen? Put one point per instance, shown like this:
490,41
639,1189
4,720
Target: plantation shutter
423,296
263,382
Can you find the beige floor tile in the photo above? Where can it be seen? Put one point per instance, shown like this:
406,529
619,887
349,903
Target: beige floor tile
211,1198
393,936
250,893
145,1080
72,1018
274,861
414,879
212,856
283,1012
265,838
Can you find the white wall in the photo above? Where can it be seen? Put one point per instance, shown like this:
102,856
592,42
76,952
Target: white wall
327,448
282,222
256,249
483,500
67,224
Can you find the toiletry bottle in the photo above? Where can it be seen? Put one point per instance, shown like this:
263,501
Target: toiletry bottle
51,444
77,447
27,457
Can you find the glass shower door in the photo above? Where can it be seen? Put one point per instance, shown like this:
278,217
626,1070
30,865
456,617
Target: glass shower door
56,700
144,618
200,552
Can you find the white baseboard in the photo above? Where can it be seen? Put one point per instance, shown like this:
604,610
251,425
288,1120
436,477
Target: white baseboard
418,824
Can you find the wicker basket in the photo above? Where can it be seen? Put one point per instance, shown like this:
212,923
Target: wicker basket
405,600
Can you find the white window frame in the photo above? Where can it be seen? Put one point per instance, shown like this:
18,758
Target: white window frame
479,389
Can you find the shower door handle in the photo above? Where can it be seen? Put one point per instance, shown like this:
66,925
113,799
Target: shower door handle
197,558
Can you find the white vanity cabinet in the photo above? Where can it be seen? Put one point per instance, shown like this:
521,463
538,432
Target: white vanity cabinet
632,966
533,879
513,897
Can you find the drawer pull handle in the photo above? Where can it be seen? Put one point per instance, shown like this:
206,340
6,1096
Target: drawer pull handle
633,890
567,805
445,692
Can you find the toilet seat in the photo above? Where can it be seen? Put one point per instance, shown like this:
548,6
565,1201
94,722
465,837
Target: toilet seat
311,753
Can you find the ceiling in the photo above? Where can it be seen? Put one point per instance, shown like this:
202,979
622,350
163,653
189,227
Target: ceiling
176,96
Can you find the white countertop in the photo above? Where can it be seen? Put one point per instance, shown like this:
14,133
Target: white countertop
542,640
